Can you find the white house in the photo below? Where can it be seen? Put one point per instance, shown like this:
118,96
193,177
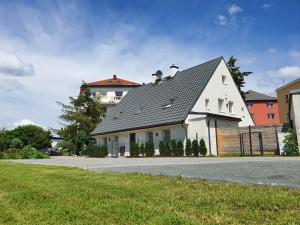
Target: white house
111,91
186,104
294,112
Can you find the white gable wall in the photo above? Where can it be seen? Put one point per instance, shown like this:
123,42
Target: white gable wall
215,89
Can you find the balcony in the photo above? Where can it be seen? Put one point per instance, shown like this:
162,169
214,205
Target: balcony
109,99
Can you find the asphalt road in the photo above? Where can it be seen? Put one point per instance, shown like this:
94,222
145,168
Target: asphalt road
257,170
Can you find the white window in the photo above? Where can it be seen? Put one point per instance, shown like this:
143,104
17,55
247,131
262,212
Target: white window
207,103
270,104
249,105
271,116
230,107
221,104
166,135
224,79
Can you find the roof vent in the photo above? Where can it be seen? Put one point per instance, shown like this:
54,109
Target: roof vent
169,103
158,75
173,70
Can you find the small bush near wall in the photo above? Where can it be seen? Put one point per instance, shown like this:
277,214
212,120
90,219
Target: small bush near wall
202,147
103,151
142,149
134,150
162,148
179,149
188,148
173,147
168,149
195,148
149,150
290,147
93,150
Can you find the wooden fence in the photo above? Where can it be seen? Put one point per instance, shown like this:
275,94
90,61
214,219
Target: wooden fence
248,140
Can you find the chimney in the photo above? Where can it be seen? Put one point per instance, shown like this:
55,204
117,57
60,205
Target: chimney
158,76
114,77
173,70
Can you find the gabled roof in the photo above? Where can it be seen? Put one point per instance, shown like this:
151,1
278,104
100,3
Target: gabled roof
256,96
147,106
114,81
288,84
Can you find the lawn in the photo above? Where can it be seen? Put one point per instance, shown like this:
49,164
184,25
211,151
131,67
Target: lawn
58,195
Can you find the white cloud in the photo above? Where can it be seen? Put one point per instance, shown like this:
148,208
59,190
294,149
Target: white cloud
12,65
233,9
9,85
222,20
248,60
272,50
25,122
295,54
267,5
289,71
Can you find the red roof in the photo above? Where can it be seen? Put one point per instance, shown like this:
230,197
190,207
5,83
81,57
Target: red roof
113,82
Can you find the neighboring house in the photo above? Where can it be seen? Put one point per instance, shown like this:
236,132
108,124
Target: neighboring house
294,112
111,91
187,104
262,108
55,139
283,99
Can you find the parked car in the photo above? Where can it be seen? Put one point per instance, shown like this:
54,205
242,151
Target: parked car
52,151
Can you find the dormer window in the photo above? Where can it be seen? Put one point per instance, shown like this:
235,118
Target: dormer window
224,79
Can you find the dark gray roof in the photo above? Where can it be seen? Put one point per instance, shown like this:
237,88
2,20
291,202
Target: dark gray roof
255,96
143,107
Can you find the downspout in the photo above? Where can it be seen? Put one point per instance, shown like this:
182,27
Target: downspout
208,127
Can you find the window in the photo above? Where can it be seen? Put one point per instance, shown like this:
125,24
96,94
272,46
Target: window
220,104
119,93
286,98
249,105
230,107
271,116
103,93
105,141
93,94
270,104
224,79
166,135
149,137
207,103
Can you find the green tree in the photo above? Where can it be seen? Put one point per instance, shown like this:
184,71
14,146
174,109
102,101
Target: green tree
195,148
179,148
188,148
142,149
167,149
162,148
173,147
32,135
81,116
290,147
16,143
149,149
237,75
202,147
5,140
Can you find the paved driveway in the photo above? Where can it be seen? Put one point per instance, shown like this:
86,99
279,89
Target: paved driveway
258,170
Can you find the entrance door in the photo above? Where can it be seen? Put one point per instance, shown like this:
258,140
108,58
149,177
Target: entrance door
131,139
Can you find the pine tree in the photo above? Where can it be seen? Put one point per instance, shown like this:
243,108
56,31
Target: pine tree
237,75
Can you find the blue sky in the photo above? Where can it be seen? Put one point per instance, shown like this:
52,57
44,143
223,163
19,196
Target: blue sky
48,47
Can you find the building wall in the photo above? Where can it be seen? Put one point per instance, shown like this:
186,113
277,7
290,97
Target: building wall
295,115
227,91
260,112
282,105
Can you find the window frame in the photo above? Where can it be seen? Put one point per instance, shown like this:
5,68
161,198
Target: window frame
271,116
169,135
149,135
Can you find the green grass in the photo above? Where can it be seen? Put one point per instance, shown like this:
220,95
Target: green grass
57,195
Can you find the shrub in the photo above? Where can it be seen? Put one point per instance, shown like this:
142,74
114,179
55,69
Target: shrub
173,147
290,147
142,149
202,147
149,150
188,148
179,148
91,150
168,149
195,148
103,151
162,148
16,143
134,150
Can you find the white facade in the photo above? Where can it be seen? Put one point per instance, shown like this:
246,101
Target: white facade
109,95
219,105
295,114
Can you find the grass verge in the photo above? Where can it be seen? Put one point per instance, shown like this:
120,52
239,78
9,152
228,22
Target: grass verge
31,194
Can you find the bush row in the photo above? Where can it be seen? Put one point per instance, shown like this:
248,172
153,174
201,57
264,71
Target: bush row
26,152
93,150
172,148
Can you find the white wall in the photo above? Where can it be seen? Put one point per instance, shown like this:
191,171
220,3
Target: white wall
295,115
177,132
215,89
